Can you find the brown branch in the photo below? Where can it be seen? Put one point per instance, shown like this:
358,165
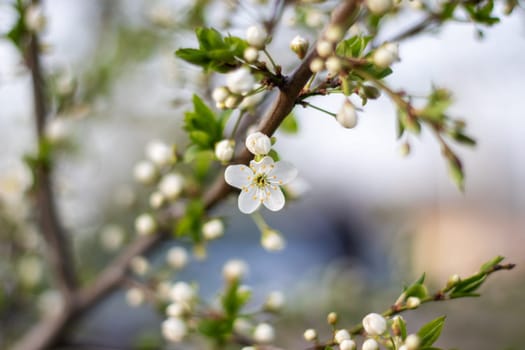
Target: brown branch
48,332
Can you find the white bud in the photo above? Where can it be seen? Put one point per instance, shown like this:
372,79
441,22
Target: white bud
258,143
331,318
379,7
272,240
316,65
171,185
135,297
232,101
403,347
370,344
182,292
249,348
310,334
224,150
174,329
299,45
386,54
240,81
242,326
341,335
413,302
112,237
159,153
334,33
347,116
251,101
347,344
374,324
144,172
145,224
162,290
256,37
34,18
139,265
412,342
213,229
333,65
324,48
234,270
176,310
314,18
177,257
220,94
56,130
156,200
275,301
264,333
251,54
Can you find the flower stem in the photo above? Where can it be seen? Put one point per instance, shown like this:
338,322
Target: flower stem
259,221
272,62
319,109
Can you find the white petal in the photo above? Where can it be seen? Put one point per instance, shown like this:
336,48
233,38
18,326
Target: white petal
274,198
283,172
249,200
265,165
238,175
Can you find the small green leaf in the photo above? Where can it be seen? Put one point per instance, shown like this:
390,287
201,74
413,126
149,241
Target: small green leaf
429,333
353,47
456,172
468,285
289,124
417,290
489,265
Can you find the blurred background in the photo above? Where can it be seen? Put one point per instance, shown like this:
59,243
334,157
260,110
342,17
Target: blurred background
368,220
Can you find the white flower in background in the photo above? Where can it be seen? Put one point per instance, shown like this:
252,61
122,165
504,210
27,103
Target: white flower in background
50,303
386,54
240,81
258,143
177,257
213,229
57,130
34,18
412,342
331,318
242,326
264,333
256,36
374,324
299,45
272,240
333,65
156,200
65,83
112,237
251,54
220,94
317,65
163,290
135,296
30,270
234,270
260,183
176,310
159,152
144,172
379,7
341,335
370,344
174,329
182,292
310,335
145,224
139,265
224,150
334,33
347,116
251,101
324,48
347,344
275,301
171,185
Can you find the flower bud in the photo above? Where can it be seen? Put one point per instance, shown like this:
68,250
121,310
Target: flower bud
404,149
213,229
232,101
347,344
159,153
398,323
251,101
264,333
234,270
34,18
333,65
334,33
341,335
251,54
177,257
331,318
176,310
258,143
272,240
56,130
310,335
145,172
182,292
379,7
275,301
370,344
386,54
347,116
374,324
171,185
112,237
413,302
242,326
145,224
135,296
224,150
316,65
299,45
139,265
156,200
256,36
174,329
452,280
324,48
412,342
240,81
220,94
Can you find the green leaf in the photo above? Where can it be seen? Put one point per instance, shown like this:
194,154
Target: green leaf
489,265
203,126
462,138
353,47
468,286
274,155
190,224
455,169
289,124
429,333
233,300
417,290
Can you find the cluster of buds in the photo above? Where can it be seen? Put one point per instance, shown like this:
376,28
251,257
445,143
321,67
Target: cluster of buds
257,38
238,91
183,298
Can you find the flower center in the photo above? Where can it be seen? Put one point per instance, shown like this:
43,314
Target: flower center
260,180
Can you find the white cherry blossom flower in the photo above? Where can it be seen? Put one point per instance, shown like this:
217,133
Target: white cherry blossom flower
260,183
